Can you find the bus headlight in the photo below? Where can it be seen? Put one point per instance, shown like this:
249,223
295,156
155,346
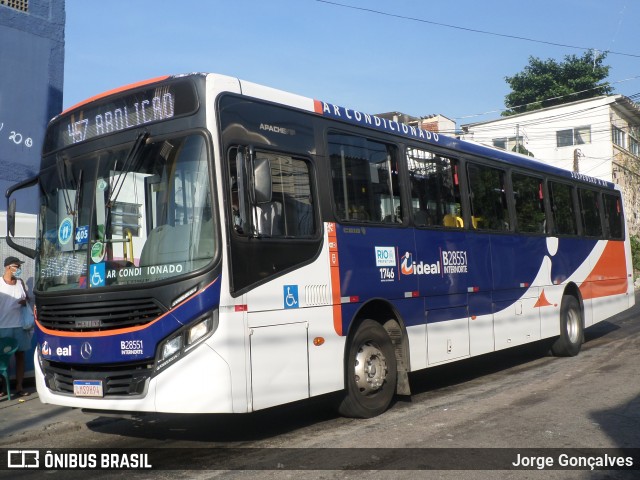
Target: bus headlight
185,339
198,331
170,347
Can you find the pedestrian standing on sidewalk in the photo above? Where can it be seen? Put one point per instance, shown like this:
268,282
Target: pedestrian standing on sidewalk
13,297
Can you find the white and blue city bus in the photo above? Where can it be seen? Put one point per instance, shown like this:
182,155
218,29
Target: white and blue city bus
207,244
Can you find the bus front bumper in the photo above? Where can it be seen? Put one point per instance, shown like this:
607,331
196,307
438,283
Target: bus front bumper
197,383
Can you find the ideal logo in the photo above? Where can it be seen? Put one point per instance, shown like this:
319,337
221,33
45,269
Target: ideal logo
385,256
409,267
63,351
449,262
406,267
46,350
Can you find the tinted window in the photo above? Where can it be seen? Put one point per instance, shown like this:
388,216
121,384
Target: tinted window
613,216
488,199
286,210
529,203
365,180
562,207
590,212
435,190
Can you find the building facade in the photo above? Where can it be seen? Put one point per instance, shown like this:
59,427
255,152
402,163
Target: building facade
32,72
598,137
432,123
32,60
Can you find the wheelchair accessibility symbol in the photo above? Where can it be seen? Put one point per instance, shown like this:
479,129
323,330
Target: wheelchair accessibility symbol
290,294
97,275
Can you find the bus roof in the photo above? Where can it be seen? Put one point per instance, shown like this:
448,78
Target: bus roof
374,122
462,146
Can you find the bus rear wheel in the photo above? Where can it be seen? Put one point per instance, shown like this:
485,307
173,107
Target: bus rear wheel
371,372
569,343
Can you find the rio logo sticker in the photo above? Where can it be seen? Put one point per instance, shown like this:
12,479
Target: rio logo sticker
386,260
385,256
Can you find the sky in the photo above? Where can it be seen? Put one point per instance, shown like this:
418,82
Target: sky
418,57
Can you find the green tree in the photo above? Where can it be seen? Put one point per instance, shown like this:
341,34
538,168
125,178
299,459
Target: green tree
546,83
635,253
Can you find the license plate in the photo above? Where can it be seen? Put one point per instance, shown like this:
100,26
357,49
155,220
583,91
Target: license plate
87,388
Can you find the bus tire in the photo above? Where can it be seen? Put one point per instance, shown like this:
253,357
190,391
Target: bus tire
571,337
370,372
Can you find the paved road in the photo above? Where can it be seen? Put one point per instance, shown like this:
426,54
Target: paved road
519,399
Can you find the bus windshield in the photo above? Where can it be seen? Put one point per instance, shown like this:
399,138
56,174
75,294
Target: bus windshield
134,213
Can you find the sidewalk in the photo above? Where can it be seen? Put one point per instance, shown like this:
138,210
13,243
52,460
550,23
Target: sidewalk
16,399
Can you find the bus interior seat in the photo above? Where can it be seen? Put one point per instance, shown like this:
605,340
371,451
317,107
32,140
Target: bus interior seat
269,218
450,220
166,244
420,217
298,218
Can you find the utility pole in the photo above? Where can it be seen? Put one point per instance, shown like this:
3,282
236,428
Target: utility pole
576,156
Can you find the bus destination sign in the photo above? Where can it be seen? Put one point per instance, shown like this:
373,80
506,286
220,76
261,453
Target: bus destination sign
130,110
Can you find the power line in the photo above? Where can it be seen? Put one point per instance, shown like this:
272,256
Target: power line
473,30
632,97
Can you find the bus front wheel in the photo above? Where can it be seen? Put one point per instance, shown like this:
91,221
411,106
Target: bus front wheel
571,337
371,372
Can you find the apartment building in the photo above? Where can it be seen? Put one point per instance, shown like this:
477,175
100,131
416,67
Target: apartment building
598,137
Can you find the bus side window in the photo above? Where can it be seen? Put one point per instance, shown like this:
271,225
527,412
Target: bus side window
590,212
288,210
564,219
613,216
365,180
529,202
435,189
488,198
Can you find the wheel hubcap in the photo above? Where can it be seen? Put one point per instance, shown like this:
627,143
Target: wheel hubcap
370,368
573,326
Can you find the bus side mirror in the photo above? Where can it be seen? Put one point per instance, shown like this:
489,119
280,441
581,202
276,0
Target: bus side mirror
11,218
262,180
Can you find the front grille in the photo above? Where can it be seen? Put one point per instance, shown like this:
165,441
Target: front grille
117,380
97,316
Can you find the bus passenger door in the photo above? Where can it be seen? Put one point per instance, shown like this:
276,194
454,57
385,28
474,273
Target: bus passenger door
276,238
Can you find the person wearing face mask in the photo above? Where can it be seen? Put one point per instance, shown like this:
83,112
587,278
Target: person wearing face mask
13,297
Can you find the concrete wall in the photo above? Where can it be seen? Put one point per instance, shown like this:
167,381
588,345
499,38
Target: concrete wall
31,79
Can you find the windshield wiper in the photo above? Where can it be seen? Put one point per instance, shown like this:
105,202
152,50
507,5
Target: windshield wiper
63,178
66,180
132,157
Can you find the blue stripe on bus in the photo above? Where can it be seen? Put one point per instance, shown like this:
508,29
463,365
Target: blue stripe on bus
471,276
130,346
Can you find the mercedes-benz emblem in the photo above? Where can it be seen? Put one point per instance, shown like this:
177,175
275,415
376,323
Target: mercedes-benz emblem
85,350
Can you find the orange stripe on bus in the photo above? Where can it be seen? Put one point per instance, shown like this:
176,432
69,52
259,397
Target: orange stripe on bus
116,90
609,275
334,266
